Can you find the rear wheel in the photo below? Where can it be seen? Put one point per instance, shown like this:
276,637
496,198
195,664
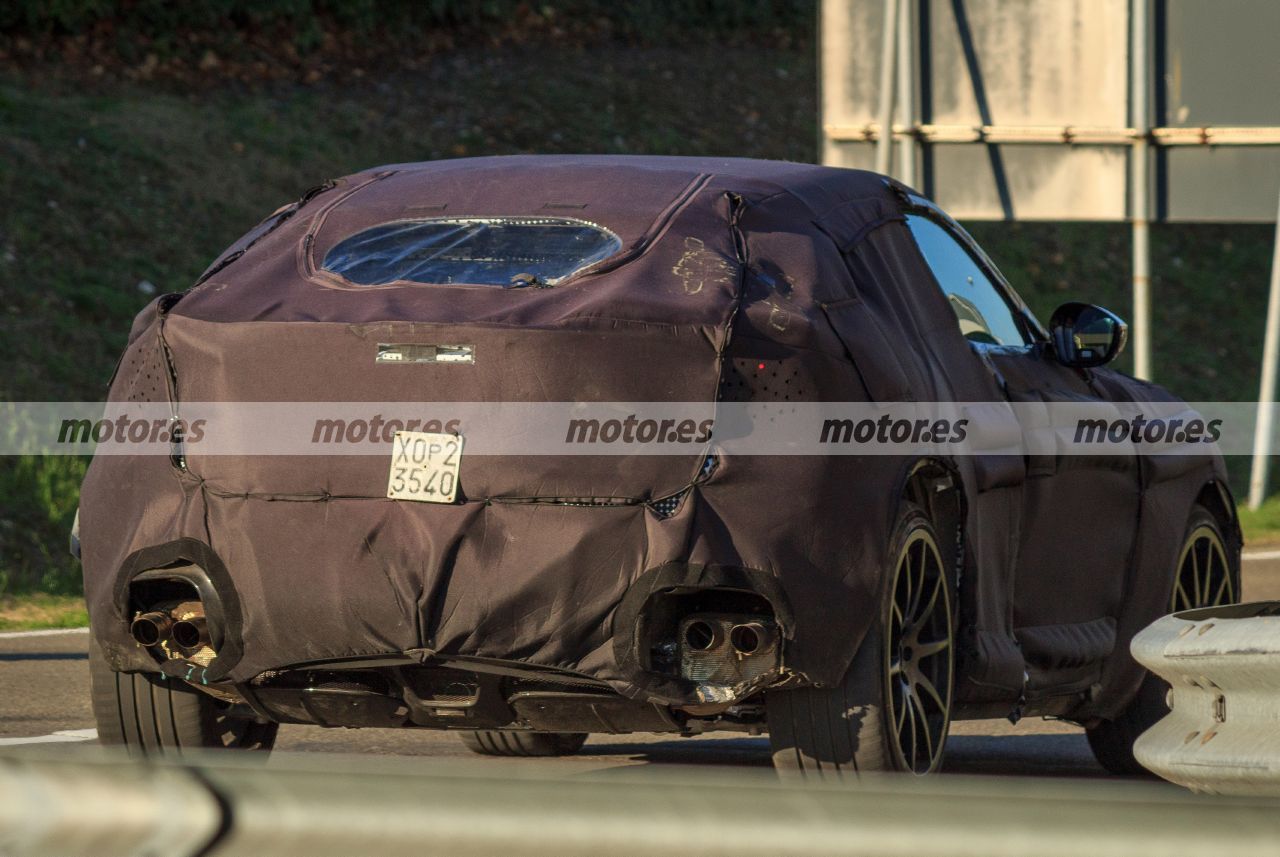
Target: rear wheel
893,708
150,715
1207,575
495,742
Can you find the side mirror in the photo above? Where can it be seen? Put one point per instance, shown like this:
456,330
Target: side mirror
1085,335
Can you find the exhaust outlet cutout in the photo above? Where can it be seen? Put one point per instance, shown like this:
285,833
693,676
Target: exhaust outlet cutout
148,629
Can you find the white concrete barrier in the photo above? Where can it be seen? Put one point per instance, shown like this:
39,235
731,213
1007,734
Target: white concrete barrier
1223,666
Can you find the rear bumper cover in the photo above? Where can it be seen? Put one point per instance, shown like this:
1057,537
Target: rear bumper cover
625,635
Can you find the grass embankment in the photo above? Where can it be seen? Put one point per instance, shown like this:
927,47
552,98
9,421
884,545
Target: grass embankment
109,187
37,611
1261,526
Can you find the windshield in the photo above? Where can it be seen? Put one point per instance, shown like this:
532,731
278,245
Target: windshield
491,251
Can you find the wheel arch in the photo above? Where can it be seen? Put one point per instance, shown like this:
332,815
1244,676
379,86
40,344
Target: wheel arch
1215,495
935,485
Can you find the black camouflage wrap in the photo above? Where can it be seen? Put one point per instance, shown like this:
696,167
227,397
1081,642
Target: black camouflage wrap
725,264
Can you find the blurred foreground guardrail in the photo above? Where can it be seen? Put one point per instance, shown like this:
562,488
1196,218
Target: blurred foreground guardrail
1223,665
89,803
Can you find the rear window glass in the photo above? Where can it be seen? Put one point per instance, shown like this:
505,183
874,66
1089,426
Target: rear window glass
492,251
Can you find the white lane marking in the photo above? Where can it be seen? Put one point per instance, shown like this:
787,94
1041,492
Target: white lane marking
1274,554
60,737
51,632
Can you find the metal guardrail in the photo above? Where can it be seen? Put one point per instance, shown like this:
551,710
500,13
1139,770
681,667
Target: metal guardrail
1095,135
1223,666
87,803
58,807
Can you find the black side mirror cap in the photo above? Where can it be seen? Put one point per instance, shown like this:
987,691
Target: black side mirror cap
1084,335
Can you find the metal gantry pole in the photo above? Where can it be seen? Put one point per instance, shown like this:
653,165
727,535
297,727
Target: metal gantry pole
906,94
1139,184
888,41
1267,387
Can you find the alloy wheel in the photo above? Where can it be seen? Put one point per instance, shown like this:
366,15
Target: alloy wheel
1204,575
919,664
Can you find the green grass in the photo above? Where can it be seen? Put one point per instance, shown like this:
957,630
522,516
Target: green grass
109,184
37,611
38,497
1261,526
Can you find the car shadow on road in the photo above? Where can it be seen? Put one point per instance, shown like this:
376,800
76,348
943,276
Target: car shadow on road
690,751
1001,755
1021,755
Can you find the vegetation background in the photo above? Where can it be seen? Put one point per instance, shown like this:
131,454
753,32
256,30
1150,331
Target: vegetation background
140,137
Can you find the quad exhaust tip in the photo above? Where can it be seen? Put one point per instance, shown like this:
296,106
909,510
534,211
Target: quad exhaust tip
749,638
190,633
150,628
725,653
746,638
702,636
179,626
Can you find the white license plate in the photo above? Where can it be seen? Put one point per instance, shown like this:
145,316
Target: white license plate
424,467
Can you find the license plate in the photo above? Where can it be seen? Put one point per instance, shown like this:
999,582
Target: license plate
424,467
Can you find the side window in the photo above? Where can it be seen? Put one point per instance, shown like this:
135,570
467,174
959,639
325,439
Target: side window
982,311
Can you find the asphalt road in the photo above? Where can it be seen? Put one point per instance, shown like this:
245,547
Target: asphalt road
44,691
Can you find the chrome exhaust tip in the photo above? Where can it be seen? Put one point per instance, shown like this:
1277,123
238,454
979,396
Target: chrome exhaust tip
191,633
750,638
702,636
148,629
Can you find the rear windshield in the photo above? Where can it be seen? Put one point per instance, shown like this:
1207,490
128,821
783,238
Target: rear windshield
491,251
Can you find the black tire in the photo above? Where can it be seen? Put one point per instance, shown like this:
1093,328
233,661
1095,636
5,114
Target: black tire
1112,740
149,715
861,725
496,742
